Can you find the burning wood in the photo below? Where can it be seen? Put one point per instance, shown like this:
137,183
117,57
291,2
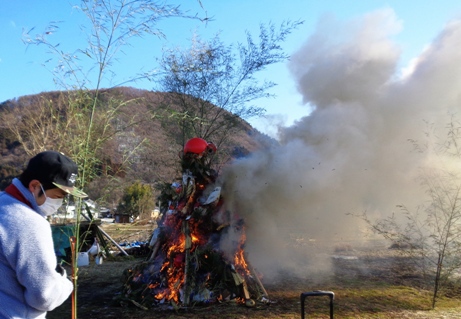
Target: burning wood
197,252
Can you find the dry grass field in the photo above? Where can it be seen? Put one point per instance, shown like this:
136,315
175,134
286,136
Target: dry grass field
386,290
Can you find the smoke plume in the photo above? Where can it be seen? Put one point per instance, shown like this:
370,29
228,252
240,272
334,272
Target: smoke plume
352,153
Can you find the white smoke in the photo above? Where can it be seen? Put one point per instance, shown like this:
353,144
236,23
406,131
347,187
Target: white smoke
352,153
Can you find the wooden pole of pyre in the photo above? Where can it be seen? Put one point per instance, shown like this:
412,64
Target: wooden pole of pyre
190,190
188,245
256,277
153,254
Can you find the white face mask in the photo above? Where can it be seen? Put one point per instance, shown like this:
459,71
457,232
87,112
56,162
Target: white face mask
51,205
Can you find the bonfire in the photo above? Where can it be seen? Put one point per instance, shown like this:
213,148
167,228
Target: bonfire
197,254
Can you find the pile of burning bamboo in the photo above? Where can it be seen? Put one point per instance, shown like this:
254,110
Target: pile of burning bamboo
197,251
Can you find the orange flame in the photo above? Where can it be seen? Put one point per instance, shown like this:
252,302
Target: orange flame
239,257
174,271
174,266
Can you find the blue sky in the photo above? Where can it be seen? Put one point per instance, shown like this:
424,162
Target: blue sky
22,71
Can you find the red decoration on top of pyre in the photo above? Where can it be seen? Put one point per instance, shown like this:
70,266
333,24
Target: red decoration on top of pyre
197,251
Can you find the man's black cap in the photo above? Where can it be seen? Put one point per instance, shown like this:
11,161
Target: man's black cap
55,168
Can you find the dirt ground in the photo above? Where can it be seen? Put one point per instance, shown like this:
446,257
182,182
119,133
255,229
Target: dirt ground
99,289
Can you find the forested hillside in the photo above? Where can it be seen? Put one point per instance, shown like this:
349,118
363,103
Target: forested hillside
143,145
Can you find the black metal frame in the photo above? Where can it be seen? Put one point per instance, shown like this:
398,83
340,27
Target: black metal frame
304,295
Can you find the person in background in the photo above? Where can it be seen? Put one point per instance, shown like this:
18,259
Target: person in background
31,282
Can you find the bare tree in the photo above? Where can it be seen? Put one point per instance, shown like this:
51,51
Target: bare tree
431,235
212,85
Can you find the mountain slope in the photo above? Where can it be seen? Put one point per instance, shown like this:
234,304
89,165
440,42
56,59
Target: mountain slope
151,143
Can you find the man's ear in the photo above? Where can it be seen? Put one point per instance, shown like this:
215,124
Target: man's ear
33,185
